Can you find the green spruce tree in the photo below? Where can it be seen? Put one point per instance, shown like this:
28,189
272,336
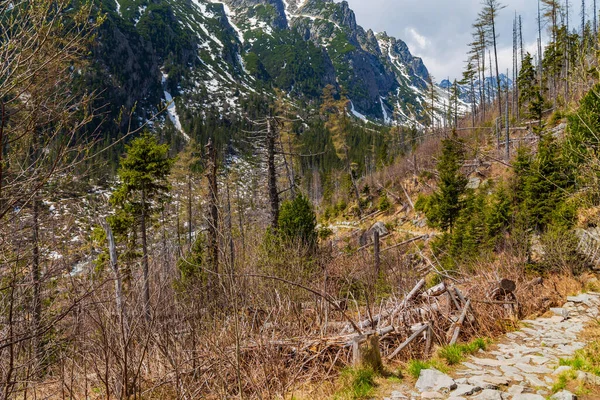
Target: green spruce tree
143,187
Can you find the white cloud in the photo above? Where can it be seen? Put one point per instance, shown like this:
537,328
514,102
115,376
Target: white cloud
439,30
421,41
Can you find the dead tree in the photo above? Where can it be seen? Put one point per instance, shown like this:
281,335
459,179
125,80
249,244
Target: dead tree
271,138
213,211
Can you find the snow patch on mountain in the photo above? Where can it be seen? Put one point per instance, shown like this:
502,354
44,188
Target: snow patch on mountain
203,9
172,109
230,15
356,113
386,119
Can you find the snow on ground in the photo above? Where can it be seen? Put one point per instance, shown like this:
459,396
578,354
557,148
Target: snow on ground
356,113
286,7
203,10
229,14
210,35
172,109
386,119
256,24
118,8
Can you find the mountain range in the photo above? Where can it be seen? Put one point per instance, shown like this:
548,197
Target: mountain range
489,88
214,58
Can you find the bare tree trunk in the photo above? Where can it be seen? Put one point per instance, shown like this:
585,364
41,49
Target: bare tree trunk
272,174
213,220
120,304
145,267
35,279
112,252
493,22
189,205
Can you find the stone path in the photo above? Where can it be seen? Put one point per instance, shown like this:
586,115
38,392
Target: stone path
524,365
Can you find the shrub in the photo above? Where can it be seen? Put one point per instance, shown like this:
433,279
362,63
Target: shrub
384,203
297,220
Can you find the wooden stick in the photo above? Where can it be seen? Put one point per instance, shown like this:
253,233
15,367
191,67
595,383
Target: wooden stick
407,197
408,341
460,322
493,302
405,242
429,338
453,299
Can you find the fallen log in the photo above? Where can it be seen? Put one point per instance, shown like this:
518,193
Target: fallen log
408,341
435,290
376,318
460,322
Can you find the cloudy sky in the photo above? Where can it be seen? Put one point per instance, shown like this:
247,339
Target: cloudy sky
439,30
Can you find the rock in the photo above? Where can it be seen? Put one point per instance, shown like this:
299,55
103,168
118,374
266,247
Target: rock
489,394
528,396
582,298
563,395
379,227
588,378
480,382
396,395
432,380
533,369
474,183
465,390
515,389
562,312
561,369
432,395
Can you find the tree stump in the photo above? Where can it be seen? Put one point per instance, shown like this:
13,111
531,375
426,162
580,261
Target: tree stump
365,353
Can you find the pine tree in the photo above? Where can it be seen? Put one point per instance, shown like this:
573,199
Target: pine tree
530,98
469,79
143,186
547,186
443,207
297,220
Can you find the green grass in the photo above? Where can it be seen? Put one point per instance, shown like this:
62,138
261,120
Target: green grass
587,359
414,367
563,380
356,384
455,353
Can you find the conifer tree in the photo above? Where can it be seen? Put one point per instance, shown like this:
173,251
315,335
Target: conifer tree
530,98
469,79
547,185
443,207
143,186
297,220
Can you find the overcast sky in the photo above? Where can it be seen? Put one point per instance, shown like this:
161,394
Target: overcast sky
439,30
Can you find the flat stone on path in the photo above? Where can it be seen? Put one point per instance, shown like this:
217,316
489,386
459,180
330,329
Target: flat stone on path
489,394
563,395
528,396
432,380
432,395
465,390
